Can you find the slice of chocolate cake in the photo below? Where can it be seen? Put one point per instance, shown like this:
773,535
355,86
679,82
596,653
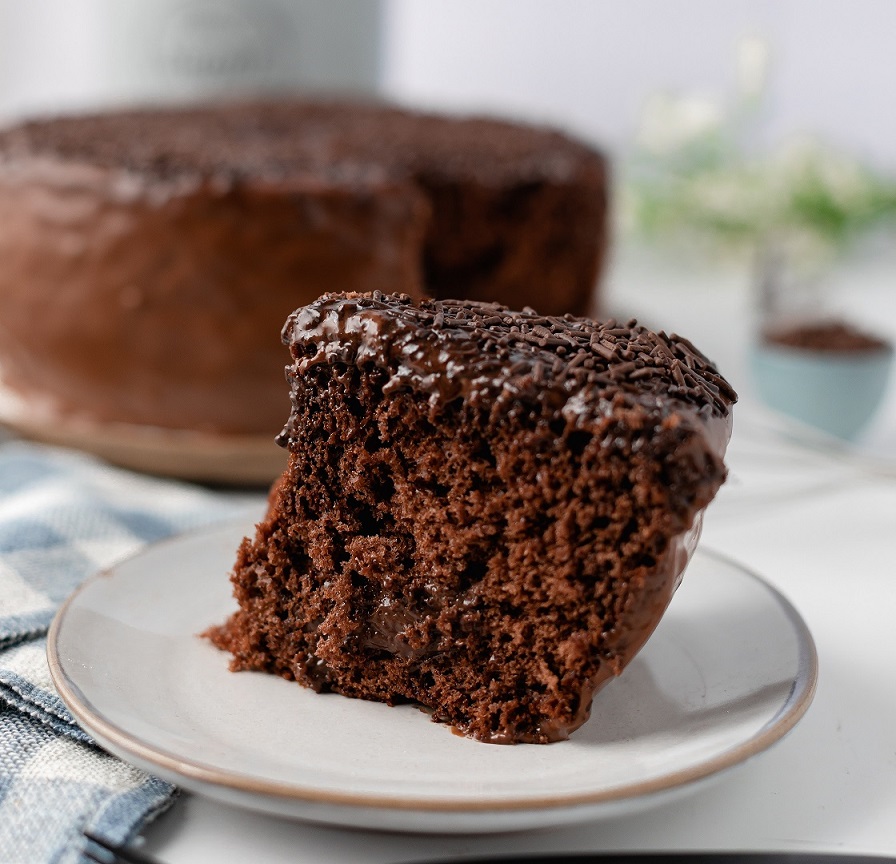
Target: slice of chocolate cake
485,512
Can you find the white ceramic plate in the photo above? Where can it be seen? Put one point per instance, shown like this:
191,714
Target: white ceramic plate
729,671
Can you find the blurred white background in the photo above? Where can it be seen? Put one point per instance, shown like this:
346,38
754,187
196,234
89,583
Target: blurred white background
591,65
587,65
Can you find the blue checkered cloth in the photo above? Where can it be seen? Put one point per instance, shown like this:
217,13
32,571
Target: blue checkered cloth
64,516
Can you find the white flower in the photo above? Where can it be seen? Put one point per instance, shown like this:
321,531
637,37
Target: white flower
670,122
752,66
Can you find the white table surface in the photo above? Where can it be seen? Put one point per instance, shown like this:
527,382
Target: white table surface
819,526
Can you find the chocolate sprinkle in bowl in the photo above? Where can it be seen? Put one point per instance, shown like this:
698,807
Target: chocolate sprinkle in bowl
826,374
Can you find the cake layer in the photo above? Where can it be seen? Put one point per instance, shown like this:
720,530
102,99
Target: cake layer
485,512
150,257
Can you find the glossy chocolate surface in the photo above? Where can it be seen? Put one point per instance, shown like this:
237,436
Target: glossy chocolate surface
508,361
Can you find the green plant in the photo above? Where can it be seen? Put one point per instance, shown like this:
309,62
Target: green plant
694,174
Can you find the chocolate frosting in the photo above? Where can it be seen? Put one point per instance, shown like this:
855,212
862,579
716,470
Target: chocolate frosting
508,361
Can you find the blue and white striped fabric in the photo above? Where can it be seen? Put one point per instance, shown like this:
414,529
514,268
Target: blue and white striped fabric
62,517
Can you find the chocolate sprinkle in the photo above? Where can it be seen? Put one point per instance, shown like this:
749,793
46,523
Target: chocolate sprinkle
500,359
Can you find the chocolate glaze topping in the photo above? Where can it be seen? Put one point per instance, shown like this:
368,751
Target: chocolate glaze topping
505,361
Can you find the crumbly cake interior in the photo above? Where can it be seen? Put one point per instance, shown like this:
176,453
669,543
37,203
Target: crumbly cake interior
466,542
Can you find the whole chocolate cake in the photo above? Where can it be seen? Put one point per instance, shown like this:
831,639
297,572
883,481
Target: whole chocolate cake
149,258
485,512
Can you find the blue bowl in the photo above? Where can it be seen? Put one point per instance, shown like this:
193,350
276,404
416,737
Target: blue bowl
837,392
